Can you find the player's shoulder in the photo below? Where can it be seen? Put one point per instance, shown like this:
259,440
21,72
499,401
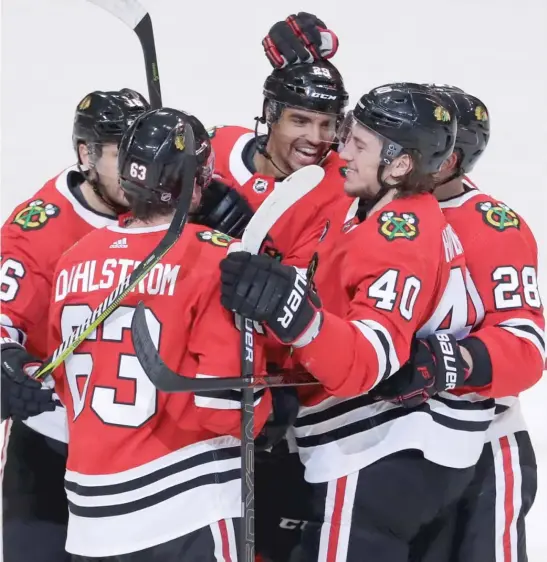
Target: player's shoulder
39,210
54,210
486,216
88,246
211,245
223,137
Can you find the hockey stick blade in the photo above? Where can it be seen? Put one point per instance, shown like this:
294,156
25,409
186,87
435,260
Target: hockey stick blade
166,380
292,189
105,309
133,14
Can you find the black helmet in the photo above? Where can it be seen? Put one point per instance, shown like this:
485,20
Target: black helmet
314,86
473,123
103,117
409,118
151,155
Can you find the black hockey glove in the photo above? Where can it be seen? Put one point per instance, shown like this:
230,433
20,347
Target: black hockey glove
22,396
264,290
300,38
284,411
435,365
223,209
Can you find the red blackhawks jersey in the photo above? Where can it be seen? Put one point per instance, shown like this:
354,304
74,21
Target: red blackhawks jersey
145,467
34,237
294,237
382,281
502,257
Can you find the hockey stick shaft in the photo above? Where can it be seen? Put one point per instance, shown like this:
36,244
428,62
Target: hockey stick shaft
247,444
105,309
133,14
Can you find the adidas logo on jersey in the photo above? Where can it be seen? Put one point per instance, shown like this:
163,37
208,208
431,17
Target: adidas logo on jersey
121,243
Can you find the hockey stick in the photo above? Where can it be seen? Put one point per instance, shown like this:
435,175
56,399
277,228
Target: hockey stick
255,233
135,16
170,381
105,309
165,379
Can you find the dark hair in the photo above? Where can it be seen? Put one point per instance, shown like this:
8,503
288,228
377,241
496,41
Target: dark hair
415,181
145,211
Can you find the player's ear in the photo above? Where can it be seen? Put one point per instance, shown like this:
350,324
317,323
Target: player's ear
450,163
83,154
401,166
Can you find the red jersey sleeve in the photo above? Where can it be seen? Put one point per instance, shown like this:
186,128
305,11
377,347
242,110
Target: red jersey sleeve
389,283
216,344
26,287
502,258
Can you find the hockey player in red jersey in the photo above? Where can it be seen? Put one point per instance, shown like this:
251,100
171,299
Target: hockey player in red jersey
81,198
379,280
303,104
507,347
160,479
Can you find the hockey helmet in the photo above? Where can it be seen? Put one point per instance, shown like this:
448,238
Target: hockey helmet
103,117
409,119
473,124
314,86
151,156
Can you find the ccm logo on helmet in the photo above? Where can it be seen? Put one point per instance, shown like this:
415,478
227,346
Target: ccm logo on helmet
449,358
322,96
294,300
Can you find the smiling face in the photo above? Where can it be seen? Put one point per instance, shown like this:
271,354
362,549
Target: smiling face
362,151
300,138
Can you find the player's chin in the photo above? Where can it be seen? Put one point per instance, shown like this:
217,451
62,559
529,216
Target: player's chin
353,188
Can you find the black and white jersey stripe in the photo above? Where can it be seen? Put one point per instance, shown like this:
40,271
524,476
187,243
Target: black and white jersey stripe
528,330
155,502
223,399
340,436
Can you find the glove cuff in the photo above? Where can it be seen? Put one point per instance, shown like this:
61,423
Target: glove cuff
8,343
311,332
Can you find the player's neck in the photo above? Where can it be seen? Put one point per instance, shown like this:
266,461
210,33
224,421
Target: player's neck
450,189
157,220
387,198
266,167
94,201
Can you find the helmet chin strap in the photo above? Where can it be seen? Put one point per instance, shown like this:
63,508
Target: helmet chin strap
261,145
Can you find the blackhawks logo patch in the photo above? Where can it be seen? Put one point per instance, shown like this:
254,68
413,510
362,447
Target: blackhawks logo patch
36,215
214,237
395,226
498,215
